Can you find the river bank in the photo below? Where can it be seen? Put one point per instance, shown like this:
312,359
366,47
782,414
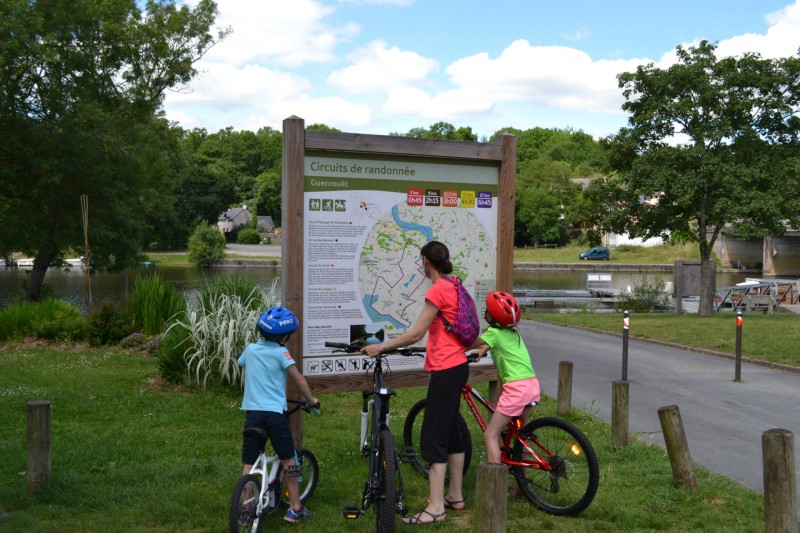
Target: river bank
580,266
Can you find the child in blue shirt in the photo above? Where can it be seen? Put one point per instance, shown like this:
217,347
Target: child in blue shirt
267,363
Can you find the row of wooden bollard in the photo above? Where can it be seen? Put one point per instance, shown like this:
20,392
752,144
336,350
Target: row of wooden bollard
780,500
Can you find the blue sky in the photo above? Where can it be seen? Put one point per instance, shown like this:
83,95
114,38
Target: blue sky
383,66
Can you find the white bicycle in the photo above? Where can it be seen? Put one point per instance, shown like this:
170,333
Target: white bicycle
262,491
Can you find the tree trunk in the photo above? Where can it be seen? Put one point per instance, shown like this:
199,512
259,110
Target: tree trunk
708,281
33,288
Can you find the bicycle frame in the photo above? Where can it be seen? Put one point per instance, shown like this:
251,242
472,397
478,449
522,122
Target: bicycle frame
267,468
376,401
471,395
384,486
378,398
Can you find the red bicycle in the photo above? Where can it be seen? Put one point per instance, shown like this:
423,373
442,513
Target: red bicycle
551,460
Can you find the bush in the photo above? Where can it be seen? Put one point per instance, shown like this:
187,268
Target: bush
206,245
110,322
44,318
248,236
648,295
156,304
171,355
65,327
203,345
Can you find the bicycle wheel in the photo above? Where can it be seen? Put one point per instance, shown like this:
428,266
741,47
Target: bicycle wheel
386,496
244,503
411,437
308,479
571,482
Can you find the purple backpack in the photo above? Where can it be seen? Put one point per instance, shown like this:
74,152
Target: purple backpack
467,326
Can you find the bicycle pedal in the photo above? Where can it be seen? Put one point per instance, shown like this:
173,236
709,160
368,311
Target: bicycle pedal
351,512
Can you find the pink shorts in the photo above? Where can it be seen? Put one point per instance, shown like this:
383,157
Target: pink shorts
516,395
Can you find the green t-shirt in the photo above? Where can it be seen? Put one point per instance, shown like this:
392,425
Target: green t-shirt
509,354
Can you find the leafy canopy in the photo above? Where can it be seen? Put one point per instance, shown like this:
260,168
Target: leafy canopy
711,144
81,85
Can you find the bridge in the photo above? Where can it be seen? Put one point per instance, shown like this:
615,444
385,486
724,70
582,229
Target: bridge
776,256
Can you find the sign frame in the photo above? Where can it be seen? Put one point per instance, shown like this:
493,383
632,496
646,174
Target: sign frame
297,142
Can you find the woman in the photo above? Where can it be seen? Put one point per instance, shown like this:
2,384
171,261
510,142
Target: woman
446,361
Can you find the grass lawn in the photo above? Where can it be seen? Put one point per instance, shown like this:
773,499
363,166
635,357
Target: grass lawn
133,453
716,332
569,254
666,254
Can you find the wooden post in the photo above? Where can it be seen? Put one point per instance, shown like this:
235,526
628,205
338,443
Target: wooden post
564,404
39,463
780,488
619,413
491,489
677,446
292,259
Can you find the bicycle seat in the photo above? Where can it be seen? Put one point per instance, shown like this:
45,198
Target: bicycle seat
254,432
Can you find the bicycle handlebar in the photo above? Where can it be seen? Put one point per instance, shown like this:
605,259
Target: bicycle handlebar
302,404
356,347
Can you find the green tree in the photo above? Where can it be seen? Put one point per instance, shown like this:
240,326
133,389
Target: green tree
716,141
443,131
538,217
206,245
81,83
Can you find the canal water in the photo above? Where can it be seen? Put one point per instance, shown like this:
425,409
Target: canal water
72,286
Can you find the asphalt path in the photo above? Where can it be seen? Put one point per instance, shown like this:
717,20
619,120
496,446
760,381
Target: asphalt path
723,420
264,250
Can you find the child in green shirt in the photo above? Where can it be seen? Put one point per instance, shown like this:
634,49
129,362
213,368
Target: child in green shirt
520,385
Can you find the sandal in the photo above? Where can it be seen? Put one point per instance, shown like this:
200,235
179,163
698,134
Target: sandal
415,520
448,504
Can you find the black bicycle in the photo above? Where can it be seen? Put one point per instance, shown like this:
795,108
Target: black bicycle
384,486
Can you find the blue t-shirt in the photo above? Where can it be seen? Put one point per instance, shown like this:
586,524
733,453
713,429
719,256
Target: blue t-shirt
265,365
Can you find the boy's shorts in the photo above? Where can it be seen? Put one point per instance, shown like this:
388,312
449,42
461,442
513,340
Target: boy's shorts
278,432
517,395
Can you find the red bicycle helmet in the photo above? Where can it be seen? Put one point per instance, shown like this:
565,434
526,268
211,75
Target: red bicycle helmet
504,308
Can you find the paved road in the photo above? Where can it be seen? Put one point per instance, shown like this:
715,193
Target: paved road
265,250
723,420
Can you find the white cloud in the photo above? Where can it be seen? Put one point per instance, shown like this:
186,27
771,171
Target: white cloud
287,34
378,2
578,35
552,76
333,111
781,40
380,68
225,87
259,75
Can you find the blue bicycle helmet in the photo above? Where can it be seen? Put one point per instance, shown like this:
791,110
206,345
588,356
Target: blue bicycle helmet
277,320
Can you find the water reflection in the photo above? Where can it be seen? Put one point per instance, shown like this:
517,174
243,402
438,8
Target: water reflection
71,286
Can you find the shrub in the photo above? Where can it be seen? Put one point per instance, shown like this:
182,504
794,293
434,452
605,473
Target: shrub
43,318
171,355
64,327
205,343
248,236
648,295
110,322
206,245
156,303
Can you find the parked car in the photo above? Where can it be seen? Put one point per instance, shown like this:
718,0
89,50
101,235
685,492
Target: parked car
598,252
